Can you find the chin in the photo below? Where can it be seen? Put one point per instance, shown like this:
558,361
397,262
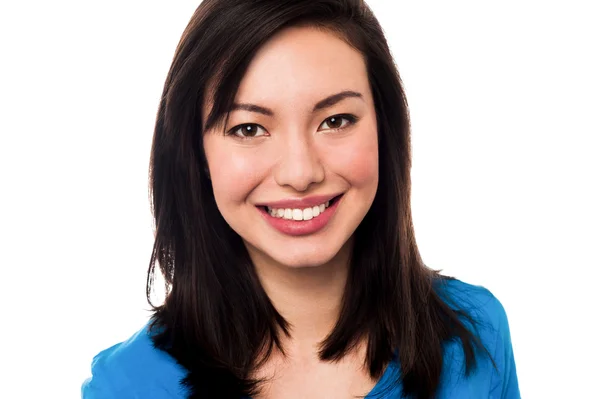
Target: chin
303,260
302,255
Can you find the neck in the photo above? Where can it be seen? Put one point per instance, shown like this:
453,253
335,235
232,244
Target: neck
309,298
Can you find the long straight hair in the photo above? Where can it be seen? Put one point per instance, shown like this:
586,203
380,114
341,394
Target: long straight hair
216,320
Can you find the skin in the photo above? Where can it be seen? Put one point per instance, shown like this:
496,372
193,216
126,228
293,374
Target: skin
297,153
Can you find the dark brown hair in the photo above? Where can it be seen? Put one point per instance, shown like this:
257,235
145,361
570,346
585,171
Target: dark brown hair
216,320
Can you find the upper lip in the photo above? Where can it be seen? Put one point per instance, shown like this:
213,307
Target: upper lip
299,203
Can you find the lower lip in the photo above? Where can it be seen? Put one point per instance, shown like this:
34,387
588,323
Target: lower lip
300,227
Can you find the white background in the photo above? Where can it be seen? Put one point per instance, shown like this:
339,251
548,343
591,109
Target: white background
505,106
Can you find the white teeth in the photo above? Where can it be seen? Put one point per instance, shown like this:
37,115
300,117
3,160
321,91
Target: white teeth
315,211
307,214
298,214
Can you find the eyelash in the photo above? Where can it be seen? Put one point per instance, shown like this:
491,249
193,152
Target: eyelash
352,119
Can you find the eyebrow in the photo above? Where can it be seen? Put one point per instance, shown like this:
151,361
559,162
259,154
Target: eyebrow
323,104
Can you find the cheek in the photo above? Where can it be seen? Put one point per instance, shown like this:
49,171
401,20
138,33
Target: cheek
358,162
233,174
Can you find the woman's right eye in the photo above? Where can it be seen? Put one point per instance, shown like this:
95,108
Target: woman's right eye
248,131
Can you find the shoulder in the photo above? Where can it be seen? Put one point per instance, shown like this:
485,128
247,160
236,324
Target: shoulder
486,317
134,368
474,301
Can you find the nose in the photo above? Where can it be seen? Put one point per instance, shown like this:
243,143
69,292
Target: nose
299,164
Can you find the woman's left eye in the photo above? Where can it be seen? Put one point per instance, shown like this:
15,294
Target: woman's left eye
337,122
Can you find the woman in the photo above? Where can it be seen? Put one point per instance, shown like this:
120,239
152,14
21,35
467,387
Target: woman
280,180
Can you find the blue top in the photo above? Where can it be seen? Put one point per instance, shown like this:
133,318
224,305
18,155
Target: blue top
134,369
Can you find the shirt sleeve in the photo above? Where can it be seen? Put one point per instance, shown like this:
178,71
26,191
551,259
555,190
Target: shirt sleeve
504,383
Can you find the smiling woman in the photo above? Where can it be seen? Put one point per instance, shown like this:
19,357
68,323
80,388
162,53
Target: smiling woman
295,144
280,178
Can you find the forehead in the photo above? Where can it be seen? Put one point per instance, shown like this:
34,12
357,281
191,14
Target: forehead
300,65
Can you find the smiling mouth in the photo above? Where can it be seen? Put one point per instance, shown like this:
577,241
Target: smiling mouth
300,214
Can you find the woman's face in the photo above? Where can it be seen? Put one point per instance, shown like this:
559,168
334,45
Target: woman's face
298,169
